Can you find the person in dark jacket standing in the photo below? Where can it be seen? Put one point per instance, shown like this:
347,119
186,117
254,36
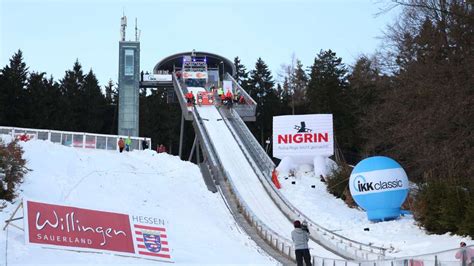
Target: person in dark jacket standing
144,144
300,237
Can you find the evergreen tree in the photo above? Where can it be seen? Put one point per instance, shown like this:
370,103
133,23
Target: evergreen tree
93,104
111,112
327,83
285,94
12,91
161,120
327,94
466,227
428,210
284,97
42,97
299,83
2,98
261,80
241,73
111,93
261,89
295,81
406,55
365,84
13,164
72,88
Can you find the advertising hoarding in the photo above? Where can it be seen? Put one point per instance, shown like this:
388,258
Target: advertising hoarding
195,75
82,229
303,135
157,77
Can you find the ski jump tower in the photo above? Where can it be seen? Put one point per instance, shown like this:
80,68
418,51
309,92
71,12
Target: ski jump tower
128,87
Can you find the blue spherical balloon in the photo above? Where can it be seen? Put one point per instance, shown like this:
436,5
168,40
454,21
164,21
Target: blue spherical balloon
379,185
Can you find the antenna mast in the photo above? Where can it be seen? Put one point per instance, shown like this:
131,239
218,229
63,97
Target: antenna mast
136,31
123,26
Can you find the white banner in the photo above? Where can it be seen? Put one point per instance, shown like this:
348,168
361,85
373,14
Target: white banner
157,77
303,135
227,86
195,75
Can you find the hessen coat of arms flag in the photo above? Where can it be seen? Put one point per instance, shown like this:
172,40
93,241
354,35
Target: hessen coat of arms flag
151,241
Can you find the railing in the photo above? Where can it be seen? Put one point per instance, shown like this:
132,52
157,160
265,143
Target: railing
261,162
451,257
248,109
74,139
180,95
247,97
207,147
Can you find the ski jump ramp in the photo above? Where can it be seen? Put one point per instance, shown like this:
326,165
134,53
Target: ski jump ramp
229,154
245,179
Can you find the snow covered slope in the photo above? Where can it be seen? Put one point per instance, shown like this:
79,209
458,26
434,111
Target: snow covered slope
202,231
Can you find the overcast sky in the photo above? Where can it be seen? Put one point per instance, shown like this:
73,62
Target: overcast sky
53,33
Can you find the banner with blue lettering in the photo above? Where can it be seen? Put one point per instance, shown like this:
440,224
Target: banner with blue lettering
379,185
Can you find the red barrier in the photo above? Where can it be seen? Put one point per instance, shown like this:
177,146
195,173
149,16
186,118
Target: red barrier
275,179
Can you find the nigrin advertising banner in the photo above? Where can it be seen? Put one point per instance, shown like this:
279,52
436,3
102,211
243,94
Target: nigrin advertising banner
303,135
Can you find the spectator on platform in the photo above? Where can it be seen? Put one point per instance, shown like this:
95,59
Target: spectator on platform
228,98
222,98
241,99
128,143
161,149
300,237
220,92
190,98
24,137
465,254
144,144
121,145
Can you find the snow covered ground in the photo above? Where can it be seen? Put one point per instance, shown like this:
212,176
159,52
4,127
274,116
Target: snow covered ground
202,231
403,235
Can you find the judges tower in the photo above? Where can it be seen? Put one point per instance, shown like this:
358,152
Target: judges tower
129,79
